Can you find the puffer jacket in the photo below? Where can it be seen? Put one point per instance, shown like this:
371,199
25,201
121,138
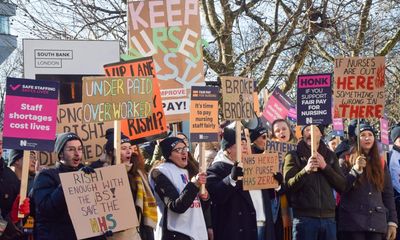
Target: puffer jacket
311,194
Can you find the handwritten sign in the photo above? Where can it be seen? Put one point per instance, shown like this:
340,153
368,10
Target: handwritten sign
359,87
30,114
204,114
258,170
170,32
277,107
314,96
153,126
69,119
115,98
100,201
280,148
237,98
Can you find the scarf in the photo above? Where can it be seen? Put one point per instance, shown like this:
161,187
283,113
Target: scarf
145,201
394,168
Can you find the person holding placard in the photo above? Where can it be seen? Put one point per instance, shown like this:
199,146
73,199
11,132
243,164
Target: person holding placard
367,210
178,199
16,163
394,167
310,181
52,219
236,214
332,141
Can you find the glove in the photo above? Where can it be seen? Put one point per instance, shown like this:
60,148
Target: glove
278,177
236,171
24,209
87,170
108,233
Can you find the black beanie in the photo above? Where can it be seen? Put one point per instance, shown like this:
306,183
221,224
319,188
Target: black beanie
109,146
254,134
229,138
366,127
62,139
320,127
168,144
351,129
14,156
395,132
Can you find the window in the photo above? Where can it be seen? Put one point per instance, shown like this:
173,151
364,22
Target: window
4,25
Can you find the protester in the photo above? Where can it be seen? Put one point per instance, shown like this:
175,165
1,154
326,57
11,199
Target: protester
332,140
367,209
394,167
281,132
311,180
52,218
344,146
236,214
15,161
9,190
179,208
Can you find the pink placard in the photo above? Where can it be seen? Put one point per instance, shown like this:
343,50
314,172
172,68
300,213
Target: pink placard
30,117
384,131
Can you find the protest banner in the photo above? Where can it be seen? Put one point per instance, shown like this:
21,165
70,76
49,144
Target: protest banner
237,98
292,114
30,114
204,114
338,126
115,98
359,88
384,126
100,201
277,107
154,126
258,170
170,32
314,96
69,119
280,148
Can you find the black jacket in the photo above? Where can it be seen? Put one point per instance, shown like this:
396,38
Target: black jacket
9,188
233,212
364,208
52,220
311,194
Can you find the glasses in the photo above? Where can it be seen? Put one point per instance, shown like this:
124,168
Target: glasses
181,150
72,149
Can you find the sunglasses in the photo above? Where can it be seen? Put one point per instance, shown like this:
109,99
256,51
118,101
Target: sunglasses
181,150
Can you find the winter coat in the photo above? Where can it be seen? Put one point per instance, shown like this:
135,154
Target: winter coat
363,207
52,220
233,212
9,188
311,194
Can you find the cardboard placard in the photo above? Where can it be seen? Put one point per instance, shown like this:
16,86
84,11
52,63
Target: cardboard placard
258,170
237,98
280,148
153,126
277,107
69,119
204,114
30,114
170,32
359,88
116,98
100,201
314,96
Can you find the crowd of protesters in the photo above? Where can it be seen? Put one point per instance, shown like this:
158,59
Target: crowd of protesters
348,189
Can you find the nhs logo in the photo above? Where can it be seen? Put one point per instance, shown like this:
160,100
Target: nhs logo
23,143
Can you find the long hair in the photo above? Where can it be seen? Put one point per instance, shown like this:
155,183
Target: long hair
137,161
374,169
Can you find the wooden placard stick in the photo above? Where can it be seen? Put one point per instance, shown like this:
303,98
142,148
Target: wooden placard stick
24,179
203,165
238,141
247,135
117,142
315,138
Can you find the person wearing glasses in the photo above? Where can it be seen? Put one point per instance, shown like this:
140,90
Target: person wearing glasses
178,199
52,219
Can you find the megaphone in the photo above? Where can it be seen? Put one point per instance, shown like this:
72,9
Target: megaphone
251,124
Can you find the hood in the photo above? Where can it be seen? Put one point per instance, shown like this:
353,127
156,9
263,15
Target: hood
221,157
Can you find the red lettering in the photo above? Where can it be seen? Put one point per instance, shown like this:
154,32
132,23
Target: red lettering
341,83
370,83
350,83
102,224
360,82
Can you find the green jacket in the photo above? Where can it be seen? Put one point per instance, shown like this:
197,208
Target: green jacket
311,194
